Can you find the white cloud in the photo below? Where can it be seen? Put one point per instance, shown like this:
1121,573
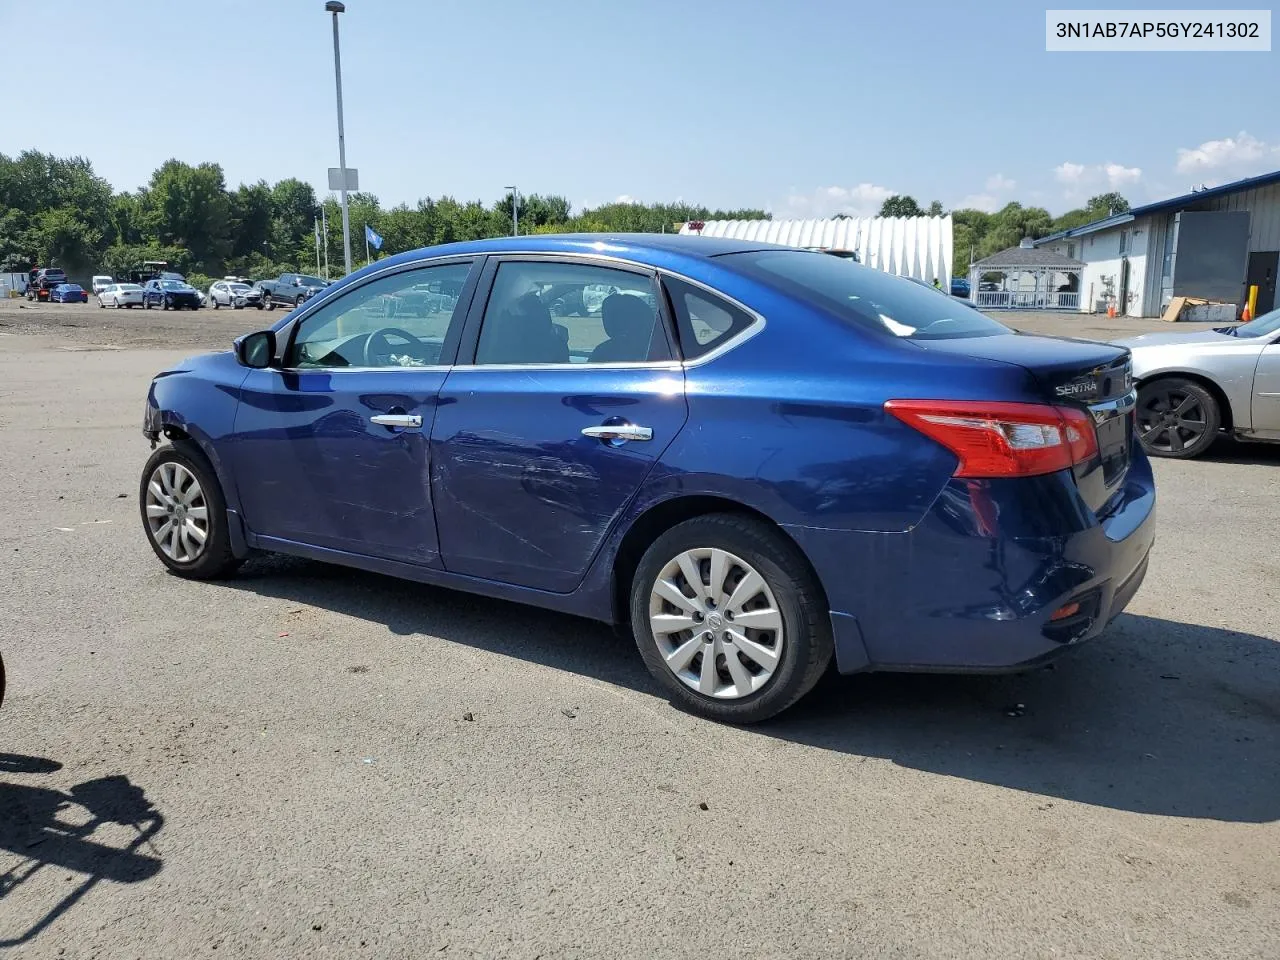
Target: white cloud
863,200
1082,179
625,198
1242,155
996,194
979,201
1118,175
1069,172
999,183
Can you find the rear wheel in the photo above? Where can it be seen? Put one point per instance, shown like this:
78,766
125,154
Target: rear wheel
1177,418
184,514
729,619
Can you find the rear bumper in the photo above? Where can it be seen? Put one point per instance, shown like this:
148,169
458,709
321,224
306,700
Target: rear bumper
972,587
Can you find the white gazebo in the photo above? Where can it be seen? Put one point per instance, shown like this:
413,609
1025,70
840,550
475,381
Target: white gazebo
1026,278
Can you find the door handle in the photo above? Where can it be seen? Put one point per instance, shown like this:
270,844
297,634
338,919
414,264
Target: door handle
405,421
618,431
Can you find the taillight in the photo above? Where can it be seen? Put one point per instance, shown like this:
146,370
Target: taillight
997,439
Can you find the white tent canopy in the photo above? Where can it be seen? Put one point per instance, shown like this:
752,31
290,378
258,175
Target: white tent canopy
917,247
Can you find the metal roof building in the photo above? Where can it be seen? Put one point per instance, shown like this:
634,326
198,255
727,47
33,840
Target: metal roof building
1213,244
917,247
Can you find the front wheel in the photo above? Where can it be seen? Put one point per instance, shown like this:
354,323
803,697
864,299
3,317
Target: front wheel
184,514
271,304
729,619
1177,418
213,302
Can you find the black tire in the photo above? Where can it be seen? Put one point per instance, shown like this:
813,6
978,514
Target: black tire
101,305
271,304
260,305
213,302
299,301
216,560
1177,418
807,630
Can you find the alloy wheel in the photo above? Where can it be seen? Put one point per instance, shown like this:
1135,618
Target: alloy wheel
1170,420
177,512
716,623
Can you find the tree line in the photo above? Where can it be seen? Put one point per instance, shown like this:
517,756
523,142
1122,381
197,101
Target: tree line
56,211
977,234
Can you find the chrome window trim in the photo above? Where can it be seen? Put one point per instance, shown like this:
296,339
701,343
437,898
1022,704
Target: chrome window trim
742,336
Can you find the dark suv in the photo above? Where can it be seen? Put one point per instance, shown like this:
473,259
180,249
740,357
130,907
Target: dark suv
42,281
170,295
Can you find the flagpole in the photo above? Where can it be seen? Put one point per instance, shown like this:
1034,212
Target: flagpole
367,258
324,228
317,223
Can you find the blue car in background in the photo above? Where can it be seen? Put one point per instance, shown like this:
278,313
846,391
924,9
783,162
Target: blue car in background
760,458
960,287
68,293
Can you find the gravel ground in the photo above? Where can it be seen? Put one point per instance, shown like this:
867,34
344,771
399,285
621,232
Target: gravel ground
312,762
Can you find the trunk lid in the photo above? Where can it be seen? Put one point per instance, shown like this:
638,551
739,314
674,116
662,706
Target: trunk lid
1081,373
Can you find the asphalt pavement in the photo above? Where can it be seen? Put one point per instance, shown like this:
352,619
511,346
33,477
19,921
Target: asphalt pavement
307,761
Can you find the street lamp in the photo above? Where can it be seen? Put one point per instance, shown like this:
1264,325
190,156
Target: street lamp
335,7
515,211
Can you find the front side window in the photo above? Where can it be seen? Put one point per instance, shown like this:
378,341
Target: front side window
542,311
388,322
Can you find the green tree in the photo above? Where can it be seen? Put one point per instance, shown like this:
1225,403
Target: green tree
900,205
188,207
935,208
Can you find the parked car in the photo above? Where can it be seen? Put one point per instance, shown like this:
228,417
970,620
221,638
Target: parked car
802,458
960,287
100,282
68,293
234,293
1195,386
119,295
42,280
170,295
290,290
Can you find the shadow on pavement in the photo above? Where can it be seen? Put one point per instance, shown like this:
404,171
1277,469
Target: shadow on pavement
50,828
1228,450
1156,717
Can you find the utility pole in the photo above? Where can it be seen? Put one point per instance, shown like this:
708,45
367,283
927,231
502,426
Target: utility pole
335,7
515,211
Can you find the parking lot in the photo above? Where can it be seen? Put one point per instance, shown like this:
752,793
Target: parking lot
312,761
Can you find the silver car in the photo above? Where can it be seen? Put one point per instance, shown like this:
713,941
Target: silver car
117,295
234,293
1193,386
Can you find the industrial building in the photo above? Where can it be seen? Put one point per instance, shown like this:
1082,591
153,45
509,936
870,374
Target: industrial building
1211,244
918,247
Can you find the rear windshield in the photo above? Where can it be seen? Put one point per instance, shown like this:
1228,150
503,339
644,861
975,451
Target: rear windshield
864,296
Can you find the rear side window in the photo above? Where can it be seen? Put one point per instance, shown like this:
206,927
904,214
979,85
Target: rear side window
703,320
865,296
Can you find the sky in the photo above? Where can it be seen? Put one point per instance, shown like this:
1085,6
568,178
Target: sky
803,108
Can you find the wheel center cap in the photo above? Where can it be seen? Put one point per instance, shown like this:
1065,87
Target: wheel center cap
715,621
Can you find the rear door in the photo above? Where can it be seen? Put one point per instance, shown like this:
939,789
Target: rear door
331,451
566,393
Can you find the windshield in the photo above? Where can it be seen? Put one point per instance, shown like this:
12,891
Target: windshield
173,285
1265,324
239,287
864,296
313,281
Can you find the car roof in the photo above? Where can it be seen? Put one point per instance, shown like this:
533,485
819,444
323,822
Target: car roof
625,245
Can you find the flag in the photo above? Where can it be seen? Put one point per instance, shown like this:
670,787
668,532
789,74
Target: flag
371,236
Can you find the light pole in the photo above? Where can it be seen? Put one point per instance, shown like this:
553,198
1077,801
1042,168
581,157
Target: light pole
335,7
515,211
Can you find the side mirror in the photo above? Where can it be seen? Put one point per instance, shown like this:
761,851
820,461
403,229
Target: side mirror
256,350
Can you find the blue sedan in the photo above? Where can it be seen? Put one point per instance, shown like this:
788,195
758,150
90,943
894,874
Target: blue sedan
68,293
761,459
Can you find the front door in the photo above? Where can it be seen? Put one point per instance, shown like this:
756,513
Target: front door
1262,274
332,450
565,395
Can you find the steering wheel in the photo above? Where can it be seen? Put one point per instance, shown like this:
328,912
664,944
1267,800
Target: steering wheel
381,335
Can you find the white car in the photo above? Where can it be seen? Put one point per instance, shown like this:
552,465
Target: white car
100,282
117,295
234,293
